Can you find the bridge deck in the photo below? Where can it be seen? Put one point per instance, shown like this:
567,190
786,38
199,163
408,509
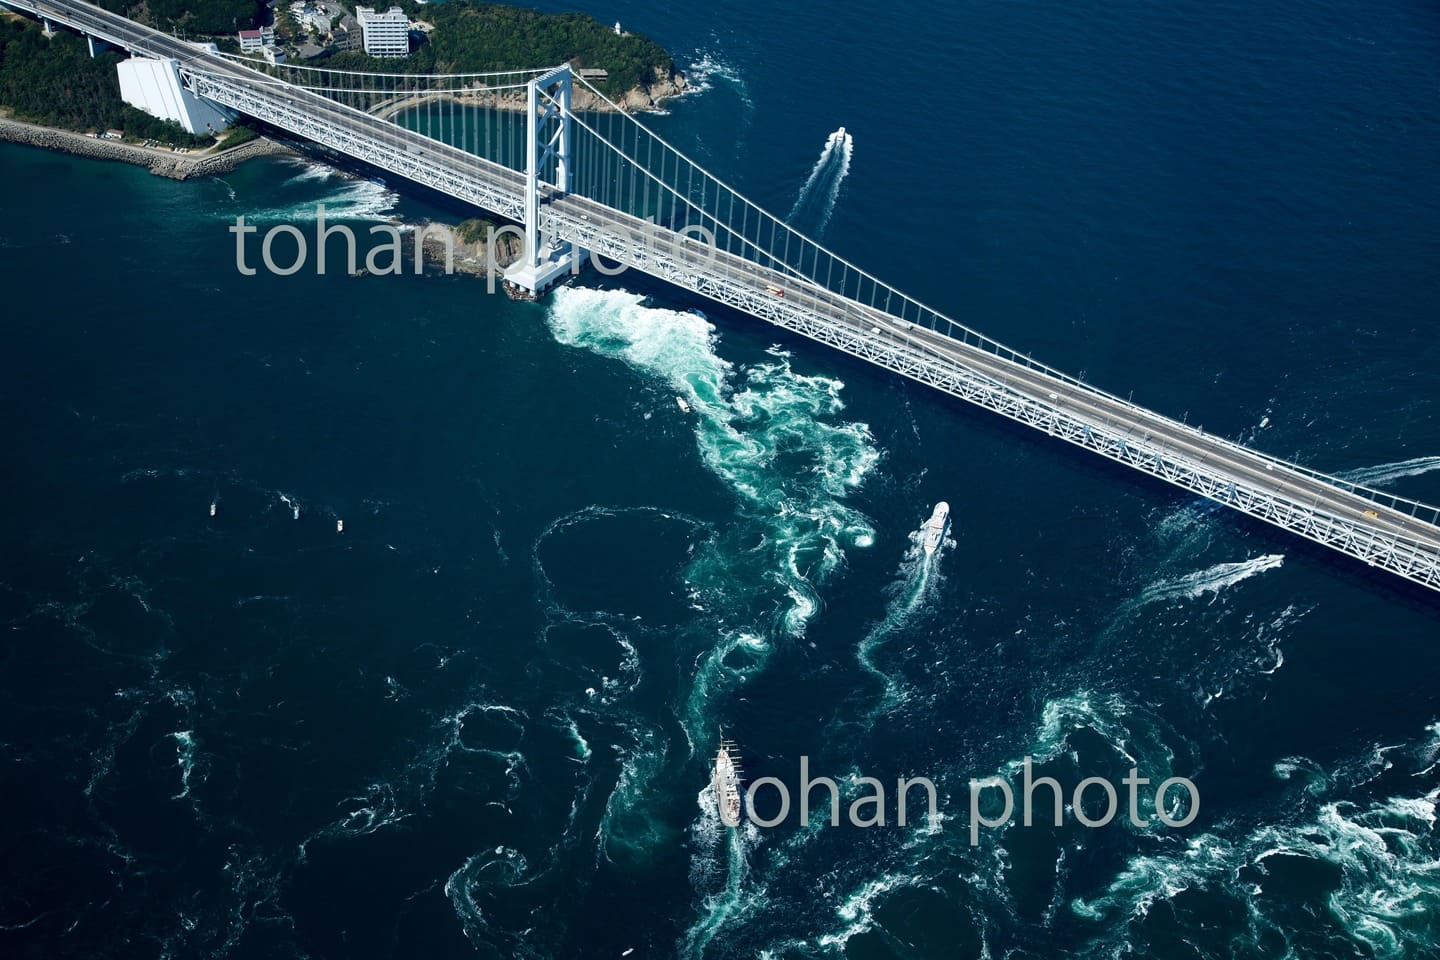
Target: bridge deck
1369,525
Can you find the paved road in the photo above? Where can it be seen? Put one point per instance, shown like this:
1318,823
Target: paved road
140,39
1246,467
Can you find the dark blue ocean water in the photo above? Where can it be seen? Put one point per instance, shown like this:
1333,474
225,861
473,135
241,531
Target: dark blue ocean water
477,722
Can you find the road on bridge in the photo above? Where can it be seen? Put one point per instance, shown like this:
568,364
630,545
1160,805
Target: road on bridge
1215,453
1116,416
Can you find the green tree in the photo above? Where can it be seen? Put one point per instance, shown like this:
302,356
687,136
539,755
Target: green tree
55,82
474,37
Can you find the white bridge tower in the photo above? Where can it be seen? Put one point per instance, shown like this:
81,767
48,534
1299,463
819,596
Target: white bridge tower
548,141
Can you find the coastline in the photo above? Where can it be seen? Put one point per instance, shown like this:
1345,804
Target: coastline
468,257
162,163
167,163
638,99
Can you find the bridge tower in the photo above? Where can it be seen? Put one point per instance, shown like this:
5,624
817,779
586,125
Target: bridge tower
548,138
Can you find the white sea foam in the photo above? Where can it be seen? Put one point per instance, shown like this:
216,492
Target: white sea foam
1136,734
345,198
1105,714
185,756
775,438
1385,859
309,171
708,67
1384,852
468,888
857,911
626,831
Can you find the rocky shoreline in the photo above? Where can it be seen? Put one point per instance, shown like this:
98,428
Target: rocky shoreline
162,163
438,239
662,86
638,99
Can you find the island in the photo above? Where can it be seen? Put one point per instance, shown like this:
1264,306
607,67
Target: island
53,91
465,36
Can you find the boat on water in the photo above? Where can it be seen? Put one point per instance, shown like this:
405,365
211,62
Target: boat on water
213,504
683,404
726,778
932,534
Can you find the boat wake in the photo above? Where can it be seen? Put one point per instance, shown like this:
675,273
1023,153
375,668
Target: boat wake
1212,580
816,202
910,592
717,873
1390,472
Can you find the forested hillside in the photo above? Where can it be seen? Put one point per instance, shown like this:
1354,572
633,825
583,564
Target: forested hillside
473,37
55,82
191,17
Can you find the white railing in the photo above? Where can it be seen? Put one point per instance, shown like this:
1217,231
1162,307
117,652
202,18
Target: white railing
437,163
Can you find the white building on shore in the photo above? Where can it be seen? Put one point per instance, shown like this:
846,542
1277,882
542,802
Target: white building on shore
253,41
386,34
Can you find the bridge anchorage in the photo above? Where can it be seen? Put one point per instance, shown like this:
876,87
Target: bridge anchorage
588,177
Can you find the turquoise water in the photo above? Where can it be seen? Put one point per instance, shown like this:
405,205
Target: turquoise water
476,722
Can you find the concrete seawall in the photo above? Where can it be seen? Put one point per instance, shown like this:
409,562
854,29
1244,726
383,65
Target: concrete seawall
160,162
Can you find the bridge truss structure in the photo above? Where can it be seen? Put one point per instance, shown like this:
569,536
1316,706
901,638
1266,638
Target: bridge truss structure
550,150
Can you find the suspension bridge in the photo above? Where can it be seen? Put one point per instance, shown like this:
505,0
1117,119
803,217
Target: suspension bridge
548,150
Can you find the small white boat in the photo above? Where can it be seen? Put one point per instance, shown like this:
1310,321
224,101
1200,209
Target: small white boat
213,504
932,534
1264,422
683,404
295,512
339,526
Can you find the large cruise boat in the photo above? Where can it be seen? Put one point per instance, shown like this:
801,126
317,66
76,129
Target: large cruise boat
933,532
726,777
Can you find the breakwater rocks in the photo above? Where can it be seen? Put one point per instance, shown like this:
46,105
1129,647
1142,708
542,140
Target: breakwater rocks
160,162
